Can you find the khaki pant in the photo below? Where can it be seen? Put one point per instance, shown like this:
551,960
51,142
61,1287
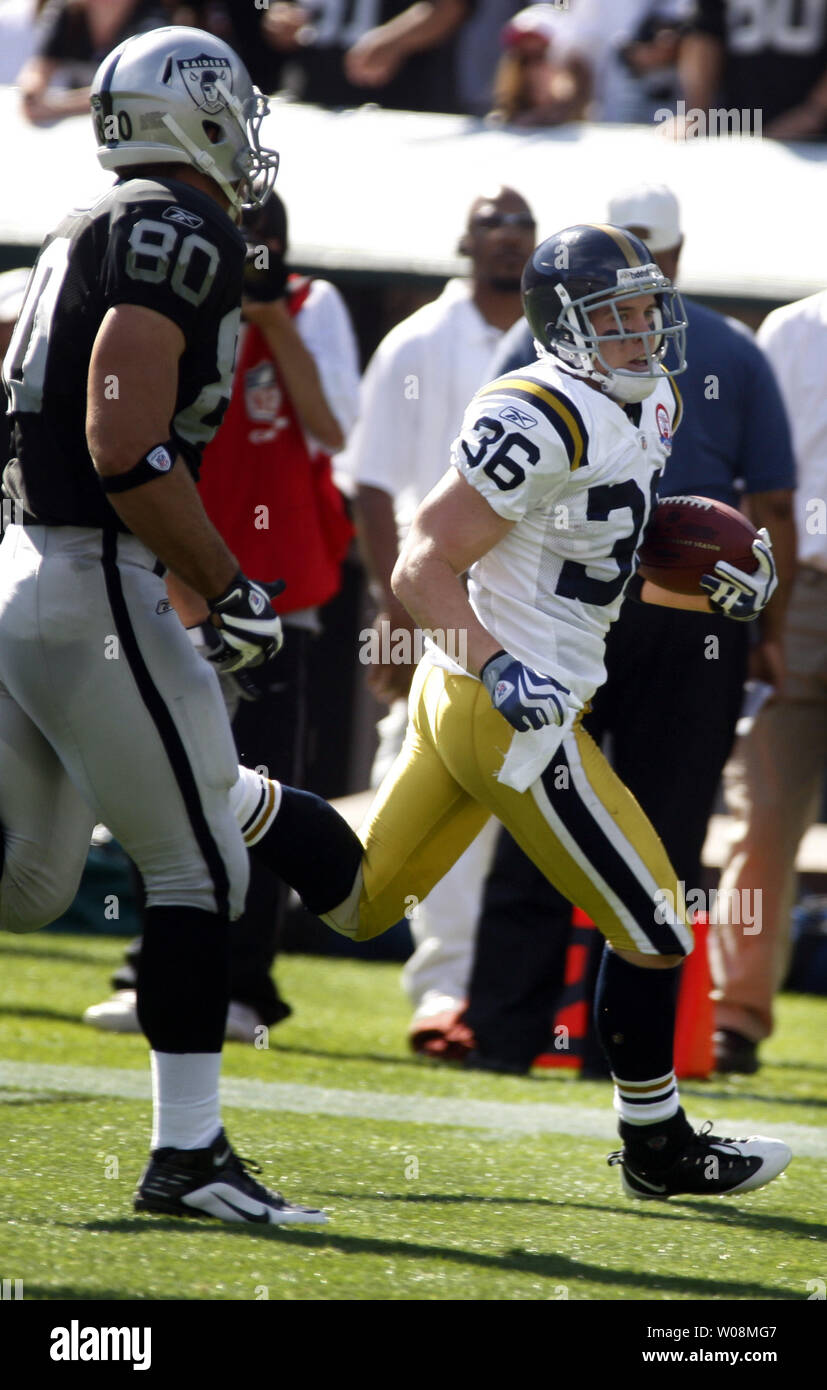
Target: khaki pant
578,823
773,786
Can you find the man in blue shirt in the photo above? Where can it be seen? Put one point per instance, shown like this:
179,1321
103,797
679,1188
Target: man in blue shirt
674,679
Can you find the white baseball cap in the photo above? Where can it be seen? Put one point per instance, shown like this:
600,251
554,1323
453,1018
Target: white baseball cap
539,21
652,208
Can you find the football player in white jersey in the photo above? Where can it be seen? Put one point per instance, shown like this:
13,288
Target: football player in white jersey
551,487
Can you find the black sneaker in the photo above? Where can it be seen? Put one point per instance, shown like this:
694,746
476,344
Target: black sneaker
734,1052
215,1182
707,1167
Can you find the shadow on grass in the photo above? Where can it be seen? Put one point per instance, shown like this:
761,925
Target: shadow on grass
757,1096
9,946
30,1011
404,1059
47,1098
553,1266
796,1066
47,1293
710,1210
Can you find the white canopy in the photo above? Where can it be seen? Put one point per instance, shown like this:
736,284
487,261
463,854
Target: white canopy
389,191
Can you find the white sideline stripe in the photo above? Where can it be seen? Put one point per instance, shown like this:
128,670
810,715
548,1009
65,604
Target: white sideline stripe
504,1118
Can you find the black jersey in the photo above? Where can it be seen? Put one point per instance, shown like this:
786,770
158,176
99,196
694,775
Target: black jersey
775,53
156,243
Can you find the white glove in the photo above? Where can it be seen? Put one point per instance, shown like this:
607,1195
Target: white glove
737,594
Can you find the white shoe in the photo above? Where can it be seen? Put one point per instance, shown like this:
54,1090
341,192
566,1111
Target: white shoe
435,1002
708,1166
120,1015
243,1024
116,1015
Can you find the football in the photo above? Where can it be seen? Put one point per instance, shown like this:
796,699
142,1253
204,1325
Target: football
687,536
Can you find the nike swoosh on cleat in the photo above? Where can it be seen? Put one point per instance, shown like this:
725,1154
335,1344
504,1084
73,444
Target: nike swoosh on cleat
262,1218
218,1159
653,1186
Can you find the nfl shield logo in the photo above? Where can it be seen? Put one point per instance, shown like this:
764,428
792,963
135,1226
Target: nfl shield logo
662,422
201,77
262,393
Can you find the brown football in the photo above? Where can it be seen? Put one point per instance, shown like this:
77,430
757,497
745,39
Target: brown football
687,536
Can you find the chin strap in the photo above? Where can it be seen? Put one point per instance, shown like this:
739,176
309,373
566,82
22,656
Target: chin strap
203,161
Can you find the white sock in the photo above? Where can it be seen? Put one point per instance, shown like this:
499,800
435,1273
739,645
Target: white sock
646,1102
255,802
185,1099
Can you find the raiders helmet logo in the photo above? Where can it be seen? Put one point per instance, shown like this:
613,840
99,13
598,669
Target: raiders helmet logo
201,77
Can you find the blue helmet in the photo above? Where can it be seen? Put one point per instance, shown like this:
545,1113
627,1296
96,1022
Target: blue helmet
587,267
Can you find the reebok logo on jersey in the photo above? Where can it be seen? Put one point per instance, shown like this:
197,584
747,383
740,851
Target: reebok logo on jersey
502,690
163,606
518,417
159,458
182,217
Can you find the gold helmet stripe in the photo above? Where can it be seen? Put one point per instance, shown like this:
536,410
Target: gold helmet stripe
621,240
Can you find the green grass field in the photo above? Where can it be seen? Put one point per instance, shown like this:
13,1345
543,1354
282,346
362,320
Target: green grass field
441,1184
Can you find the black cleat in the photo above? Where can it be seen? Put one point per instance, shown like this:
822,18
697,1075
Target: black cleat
707,1167
215,1182
734,1052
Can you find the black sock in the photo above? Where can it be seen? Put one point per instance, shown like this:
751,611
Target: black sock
658,1145
635,1018
312,848
183,979
634,1011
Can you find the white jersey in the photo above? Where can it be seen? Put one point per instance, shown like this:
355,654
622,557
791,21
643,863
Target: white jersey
577,473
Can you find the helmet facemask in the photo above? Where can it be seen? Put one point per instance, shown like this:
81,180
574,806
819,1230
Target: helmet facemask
575,344
256,164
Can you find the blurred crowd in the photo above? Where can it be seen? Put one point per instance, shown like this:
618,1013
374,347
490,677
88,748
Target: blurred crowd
681,63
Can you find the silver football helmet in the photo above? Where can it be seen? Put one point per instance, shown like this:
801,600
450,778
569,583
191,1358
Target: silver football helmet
181,96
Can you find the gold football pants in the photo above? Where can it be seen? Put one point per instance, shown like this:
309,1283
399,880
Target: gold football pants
578,822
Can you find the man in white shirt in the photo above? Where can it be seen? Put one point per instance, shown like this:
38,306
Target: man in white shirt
774,779
413,397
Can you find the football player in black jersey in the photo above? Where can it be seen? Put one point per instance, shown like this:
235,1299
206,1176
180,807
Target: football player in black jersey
118,373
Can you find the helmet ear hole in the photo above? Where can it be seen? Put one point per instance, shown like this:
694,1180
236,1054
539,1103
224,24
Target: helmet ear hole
166,75
213,132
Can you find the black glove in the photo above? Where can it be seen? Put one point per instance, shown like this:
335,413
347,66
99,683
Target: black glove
265,283
249,629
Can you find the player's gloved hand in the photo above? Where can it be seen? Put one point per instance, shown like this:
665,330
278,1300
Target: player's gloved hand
527,699
737,594
249,629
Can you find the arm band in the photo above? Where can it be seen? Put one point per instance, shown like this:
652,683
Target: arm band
157,461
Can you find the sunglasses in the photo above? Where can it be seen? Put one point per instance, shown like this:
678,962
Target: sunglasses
489,221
